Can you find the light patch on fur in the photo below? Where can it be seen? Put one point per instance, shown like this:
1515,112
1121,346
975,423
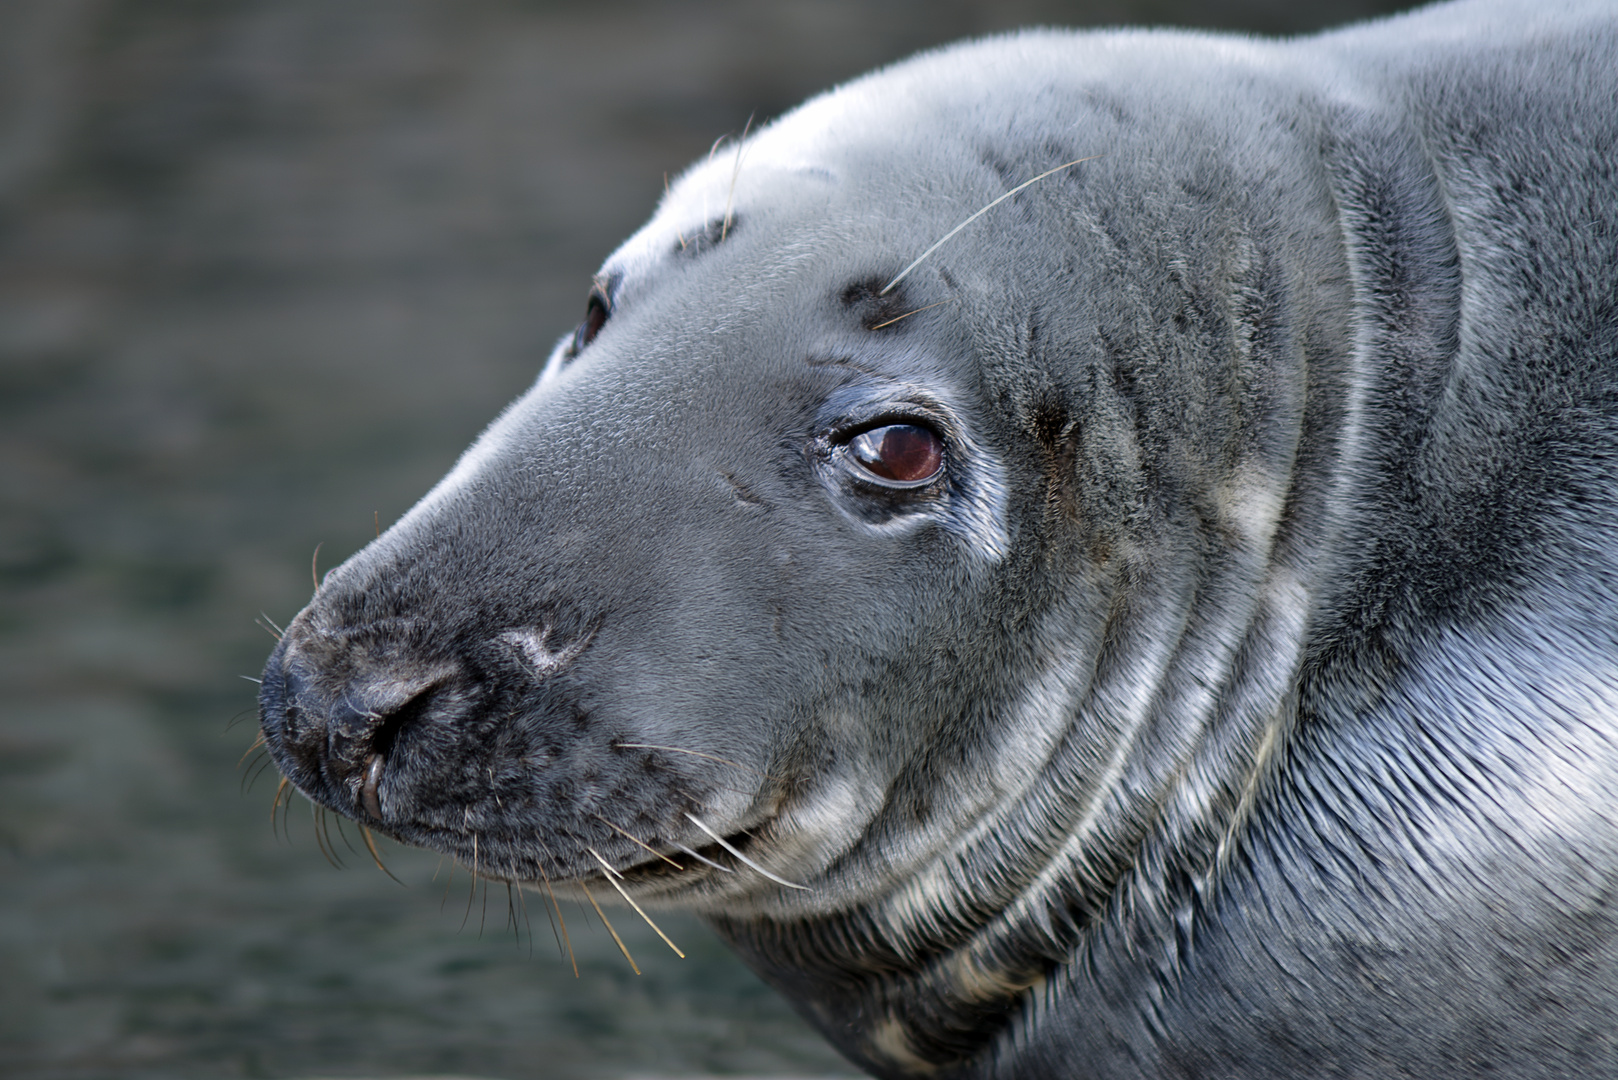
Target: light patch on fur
972,980
1251,508
890,1042
976,515
536,648
1044,712
980,517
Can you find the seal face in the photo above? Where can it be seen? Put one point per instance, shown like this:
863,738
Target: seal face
1169,629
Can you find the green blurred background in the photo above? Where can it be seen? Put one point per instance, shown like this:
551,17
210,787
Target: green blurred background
265,267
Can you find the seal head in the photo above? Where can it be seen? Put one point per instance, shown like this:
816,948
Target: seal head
1029,661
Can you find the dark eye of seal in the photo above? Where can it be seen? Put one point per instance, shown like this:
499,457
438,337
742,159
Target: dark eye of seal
595,317
898,455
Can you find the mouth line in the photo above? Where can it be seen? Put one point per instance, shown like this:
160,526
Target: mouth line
705,861
504,858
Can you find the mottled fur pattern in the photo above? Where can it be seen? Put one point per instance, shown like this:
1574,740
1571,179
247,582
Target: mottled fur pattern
1239,698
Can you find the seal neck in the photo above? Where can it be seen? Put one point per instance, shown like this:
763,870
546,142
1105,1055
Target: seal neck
1186,707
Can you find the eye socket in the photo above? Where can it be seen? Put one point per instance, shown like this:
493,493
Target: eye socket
595,317
898,455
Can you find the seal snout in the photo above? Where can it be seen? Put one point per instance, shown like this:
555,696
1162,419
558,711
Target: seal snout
334,709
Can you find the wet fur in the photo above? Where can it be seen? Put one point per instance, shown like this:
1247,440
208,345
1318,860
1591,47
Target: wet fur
1243,700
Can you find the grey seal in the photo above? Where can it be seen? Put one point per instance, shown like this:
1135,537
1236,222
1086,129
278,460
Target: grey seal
1171,629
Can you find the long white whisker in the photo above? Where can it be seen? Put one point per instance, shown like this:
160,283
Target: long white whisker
942,239
702,859
721,842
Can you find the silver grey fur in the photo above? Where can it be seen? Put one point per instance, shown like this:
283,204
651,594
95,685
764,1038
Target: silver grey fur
1242,698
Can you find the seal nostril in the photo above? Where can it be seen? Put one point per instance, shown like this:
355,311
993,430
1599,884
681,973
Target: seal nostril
373,778
361,767
334,708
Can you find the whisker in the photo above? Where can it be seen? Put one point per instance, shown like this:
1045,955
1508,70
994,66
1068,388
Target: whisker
473,891
255,769
258,742
631,902
511,915
483,917
610,930
735,172
702,858
918,311
989,206
522,907
546,878
244,714
325,820
712,150
680,233
344,834
632,839
314,566
610,869
370,845
283,788
449,883
276,630
694,753
249,678
275,803
722,843
323,837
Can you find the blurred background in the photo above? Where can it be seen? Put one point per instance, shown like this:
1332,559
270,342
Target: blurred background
266,266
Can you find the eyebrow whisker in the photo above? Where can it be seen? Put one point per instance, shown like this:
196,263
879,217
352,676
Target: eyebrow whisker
989,206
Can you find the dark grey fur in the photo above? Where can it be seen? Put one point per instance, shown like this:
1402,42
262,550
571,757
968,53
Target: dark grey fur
1242,700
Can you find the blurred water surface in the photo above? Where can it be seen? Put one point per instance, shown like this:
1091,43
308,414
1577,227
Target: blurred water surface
265,267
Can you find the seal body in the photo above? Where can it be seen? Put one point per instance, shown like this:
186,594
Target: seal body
1169,630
